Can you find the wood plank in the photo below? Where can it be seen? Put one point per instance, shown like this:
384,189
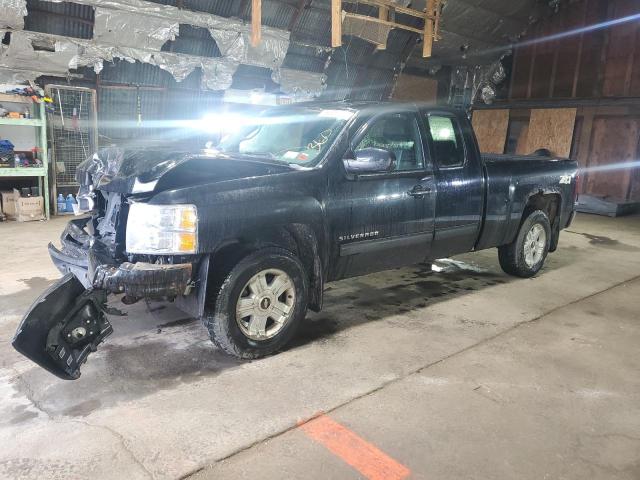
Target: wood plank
256,22
382,22
491,127
336,23
391,5
427,43
383,14
551,128
620,52
9,97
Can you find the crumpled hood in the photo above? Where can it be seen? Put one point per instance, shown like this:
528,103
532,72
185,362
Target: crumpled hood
131,171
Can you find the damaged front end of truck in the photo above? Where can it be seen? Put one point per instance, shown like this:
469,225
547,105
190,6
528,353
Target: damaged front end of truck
69,320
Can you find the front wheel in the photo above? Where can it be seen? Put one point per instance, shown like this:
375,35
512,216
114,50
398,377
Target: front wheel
525,256
259,305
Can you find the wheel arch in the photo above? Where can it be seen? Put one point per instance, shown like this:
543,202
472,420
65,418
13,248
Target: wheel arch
548,201
297,238
551,204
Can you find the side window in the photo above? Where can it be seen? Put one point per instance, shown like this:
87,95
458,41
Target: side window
398,133
448,149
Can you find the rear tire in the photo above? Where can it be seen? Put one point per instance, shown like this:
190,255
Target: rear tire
525,256
259,305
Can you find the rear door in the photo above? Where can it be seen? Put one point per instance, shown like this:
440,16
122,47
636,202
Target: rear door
459,182
384,220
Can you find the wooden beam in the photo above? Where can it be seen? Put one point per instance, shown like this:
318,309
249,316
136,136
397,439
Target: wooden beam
390,5
383,14
256,22
436,21
427,43
383,22
336,23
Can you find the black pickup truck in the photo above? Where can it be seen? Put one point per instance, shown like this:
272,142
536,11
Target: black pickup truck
245,235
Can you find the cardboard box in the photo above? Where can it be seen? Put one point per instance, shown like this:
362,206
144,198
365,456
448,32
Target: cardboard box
27,209
8,206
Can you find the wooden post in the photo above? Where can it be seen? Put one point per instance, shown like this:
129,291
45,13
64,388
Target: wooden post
336,23
427,43
256,22
383,14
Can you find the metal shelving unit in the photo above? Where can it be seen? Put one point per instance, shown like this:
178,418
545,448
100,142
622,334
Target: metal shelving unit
40,124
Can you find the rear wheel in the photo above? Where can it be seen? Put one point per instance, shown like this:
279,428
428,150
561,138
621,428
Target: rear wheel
259,305
525,256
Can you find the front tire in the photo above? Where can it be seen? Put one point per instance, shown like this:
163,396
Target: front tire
259,305
525,256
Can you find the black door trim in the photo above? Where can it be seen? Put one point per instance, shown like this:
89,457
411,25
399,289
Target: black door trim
379,244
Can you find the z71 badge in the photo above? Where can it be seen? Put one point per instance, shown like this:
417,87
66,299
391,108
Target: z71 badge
566,179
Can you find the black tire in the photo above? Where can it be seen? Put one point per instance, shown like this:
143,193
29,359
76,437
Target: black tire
512,256
220,319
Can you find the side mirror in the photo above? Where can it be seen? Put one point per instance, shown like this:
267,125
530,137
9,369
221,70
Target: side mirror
371,160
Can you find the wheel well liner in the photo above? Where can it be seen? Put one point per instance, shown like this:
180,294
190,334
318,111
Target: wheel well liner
549,203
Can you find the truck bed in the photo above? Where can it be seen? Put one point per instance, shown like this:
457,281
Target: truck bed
506,176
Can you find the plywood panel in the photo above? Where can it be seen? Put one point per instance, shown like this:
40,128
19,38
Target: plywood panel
551,128
491,129
414,88
614,141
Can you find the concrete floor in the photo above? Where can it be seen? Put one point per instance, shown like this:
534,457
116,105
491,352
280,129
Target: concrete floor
465,373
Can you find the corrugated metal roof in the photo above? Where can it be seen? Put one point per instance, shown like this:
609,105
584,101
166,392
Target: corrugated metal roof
314,26
193,41
68,19
123,72
277,14
300,57
248,77
224,8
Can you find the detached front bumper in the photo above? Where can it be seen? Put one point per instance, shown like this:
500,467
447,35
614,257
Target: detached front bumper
68,321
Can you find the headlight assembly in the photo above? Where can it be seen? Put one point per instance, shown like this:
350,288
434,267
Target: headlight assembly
162,229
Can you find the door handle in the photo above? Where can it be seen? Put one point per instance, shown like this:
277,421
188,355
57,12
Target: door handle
419,191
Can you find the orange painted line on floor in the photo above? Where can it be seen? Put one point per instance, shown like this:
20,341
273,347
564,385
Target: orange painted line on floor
370,461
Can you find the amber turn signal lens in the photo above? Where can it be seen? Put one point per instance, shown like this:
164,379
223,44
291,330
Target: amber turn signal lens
187,242
188,220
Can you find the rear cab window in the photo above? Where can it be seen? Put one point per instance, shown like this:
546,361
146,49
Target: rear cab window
446,139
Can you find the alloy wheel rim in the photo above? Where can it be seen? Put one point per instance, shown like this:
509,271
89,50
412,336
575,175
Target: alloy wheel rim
534,244
265,304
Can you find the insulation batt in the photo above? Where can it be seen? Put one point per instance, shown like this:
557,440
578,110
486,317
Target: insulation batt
136,30
12,13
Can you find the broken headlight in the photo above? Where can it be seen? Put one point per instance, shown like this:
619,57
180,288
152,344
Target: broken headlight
162,229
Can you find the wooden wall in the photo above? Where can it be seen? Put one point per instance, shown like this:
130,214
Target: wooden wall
597,70
603,62
607,139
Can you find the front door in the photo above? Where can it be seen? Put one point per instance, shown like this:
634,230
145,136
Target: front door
383,220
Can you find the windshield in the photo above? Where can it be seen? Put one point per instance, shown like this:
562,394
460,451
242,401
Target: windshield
294,136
